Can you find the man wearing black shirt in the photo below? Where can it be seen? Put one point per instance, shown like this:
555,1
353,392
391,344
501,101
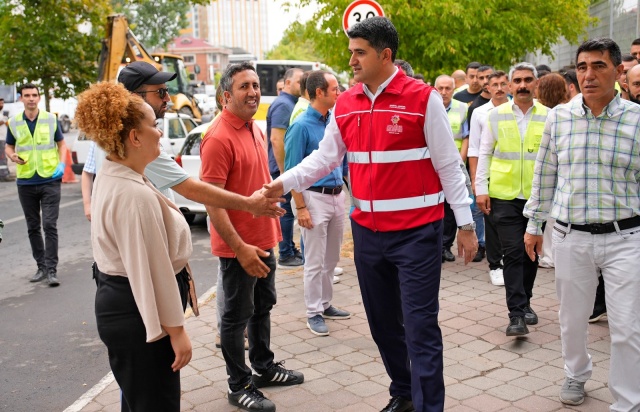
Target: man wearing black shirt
484,96
469,94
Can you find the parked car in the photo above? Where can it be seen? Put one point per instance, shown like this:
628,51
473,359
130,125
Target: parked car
175,128
189,159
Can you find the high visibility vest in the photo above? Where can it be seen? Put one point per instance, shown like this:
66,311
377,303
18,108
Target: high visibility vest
457,114
511,170
39,150
393,182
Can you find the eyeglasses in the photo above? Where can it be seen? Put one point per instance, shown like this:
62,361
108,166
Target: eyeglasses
161,92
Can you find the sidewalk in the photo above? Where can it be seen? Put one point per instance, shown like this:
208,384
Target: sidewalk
484,369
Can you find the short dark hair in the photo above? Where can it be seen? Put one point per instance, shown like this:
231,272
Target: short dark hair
472,65
602,44
484,68
219,97
290,72
316,80
379,32
28,86
405,66
628,58
543,67
419,76
226,81
498,74
636,42
303,79
570,77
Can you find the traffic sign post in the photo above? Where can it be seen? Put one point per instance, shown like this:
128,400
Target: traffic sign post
360,10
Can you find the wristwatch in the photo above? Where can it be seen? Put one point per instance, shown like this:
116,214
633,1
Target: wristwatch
469,227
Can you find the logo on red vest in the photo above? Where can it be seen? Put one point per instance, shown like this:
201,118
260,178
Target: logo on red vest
394,127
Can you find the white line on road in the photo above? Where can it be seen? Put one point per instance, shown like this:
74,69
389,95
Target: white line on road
92,393
19,218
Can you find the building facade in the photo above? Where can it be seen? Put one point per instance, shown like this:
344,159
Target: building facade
209,58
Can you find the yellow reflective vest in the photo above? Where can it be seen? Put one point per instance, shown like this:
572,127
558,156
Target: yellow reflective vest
457,114
39,150
511,170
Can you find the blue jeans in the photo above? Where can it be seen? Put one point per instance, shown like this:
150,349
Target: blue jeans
478,218
286,246
247,304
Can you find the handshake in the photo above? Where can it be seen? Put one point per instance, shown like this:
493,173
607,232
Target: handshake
265,201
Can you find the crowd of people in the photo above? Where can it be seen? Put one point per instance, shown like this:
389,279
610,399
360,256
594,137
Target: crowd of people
525,168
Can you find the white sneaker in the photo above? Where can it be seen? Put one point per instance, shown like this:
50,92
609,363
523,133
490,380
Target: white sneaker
338,271
335,280
497,278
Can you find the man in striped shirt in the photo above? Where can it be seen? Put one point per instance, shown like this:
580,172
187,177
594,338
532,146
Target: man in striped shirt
586,176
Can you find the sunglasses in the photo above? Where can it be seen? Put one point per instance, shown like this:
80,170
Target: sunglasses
161,92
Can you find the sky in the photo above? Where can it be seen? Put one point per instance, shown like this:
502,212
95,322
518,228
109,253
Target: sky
279,20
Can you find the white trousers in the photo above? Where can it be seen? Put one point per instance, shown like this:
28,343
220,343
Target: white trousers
546,260
321,248
578,258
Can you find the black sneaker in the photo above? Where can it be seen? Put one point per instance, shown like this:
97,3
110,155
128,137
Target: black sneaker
290,262
52,279
399,404
599,312
40,275
447,256
250,398
277,376
530,317
479,254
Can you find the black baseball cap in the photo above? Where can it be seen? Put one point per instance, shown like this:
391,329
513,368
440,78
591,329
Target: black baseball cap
138,73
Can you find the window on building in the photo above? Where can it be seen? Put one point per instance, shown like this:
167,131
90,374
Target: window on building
212,58
189,58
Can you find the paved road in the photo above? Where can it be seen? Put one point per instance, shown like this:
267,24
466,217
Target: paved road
50,353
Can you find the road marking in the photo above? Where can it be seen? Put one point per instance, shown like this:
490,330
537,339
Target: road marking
19,218
97,389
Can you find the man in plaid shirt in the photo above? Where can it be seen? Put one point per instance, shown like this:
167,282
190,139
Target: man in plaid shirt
586,176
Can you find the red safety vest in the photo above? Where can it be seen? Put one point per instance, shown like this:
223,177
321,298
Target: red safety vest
394,184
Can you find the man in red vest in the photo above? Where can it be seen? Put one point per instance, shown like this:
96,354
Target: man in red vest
402,162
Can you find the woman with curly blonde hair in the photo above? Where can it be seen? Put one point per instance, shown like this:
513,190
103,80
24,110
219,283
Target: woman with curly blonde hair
141,245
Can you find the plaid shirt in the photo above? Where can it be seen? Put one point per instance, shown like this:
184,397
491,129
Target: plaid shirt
588,168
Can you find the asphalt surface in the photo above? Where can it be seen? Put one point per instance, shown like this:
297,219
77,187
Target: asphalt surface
50,353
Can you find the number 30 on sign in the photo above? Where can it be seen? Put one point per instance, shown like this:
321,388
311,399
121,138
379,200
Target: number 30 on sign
360,10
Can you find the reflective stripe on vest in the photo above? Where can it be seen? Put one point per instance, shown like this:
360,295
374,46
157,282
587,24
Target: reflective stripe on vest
457,115
511,170
39,150
392,156
395,205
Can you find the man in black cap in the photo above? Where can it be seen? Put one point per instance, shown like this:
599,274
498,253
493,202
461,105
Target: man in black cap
145,80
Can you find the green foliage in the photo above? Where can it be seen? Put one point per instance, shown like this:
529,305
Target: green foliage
439,36
155,22
40,40
293,46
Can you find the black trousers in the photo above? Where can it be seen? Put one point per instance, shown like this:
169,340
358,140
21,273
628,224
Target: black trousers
519,271
247,304
450,227
43,198
142,370
492,242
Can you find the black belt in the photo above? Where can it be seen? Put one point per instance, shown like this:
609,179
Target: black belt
326,190
602,228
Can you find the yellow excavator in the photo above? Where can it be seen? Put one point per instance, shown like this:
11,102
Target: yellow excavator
121,47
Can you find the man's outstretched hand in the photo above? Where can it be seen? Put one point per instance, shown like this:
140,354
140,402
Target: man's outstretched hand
273,189
260,205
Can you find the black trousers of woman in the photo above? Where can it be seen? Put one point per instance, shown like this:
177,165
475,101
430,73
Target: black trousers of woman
142,370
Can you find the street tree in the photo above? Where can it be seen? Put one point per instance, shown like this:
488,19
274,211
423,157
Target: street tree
438,36
156,23
51,42
293,46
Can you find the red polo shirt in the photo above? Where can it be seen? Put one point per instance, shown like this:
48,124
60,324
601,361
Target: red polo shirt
234,154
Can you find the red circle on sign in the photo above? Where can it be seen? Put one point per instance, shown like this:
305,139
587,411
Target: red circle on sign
350,7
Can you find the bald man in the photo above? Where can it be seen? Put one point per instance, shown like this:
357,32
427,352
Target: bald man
460,77
633,84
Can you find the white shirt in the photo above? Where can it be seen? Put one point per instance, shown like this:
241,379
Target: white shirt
438,137
477,124
488,143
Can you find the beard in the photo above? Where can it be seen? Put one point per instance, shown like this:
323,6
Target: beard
634,99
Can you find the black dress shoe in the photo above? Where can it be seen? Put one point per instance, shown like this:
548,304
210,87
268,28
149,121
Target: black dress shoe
399,404
40,275
517,327
447,256
530,317
52,279
479,254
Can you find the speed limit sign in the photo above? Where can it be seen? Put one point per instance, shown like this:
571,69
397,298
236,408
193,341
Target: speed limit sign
360,10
